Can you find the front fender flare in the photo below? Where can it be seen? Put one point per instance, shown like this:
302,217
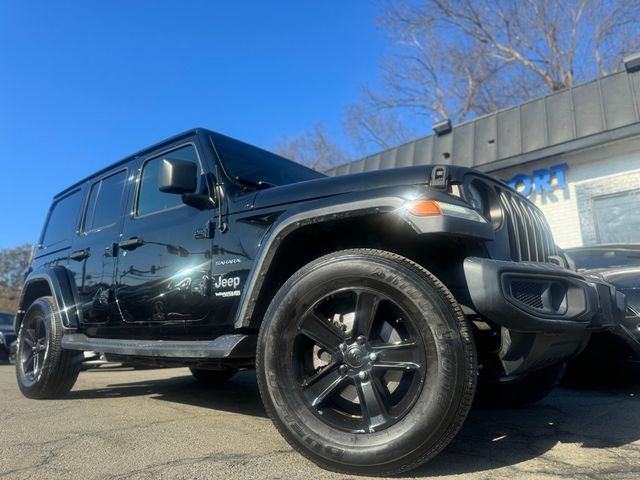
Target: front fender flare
326,210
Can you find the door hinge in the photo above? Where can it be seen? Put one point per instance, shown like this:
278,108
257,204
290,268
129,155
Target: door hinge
207,232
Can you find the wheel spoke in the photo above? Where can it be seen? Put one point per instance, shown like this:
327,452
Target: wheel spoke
40,356
28,340
28,362
36,363
374,410
365,314
398,356
41,331
323,384
321,331
30,335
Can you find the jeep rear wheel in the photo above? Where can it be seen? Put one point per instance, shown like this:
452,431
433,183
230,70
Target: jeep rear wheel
365,363
43,368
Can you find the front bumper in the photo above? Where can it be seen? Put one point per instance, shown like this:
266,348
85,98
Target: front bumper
541,297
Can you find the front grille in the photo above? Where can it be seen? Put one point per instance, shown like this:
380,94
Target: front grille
530,236
529,293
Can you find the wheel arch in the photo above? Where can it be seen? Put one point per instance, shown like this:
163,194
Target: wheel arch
302,241
54,282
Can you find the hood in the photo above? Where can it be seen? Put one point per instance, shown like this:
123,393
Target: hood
328,186
623,278
626,280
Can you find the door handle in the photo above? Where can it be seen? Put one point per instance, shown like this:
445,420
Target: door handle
79,255
131,244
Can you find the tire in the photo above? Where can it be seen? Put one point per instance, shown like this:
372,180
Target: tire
53,371
419,338
213,377
525,390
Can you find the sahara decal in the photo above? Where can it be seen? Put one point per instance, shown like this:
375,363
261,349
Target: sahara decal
231,261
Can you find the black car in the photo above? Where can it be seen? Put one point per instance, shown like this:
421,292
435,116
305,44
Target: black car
13,348
619,265
369,304
7,335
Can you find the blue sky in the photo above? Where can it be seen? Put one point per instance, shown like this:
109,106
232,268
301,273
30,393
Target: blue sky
85,83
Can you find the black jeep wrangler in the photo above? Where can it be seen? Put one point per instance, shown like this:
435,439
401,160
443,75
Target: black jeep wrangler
370,304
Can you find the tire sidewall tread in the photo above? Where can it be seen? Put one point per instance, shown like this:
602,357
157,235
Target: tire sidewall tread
61,367
456,335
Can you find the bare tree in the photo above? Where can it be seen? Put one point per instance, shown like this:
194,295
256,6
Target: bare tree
373,127
461,58
313,148
13,265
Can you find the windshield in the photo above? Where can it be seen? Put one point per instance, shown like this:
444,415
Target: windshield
6,319
605,257
255,165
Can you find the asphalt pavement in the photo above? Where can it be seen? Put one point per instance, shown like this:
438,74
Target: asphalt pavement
161,424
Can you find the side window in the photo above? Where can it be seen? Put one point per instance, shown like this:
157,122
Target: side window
103,207
150,198
62,220
616,217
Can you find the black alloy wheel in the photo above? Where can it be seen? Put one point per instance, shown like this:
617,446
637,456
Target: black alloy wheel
359,360
34,343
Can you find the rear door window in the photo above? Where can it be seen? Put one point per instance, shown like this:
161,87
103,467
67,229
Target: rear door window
103,207
62,221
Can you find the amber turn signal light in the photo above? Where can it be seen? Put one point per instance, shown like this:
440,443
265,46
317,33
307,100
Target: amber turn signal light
424,208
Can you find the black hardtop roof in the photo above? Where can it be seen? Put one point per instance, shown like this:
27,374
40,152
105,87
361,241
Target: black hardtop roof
144,151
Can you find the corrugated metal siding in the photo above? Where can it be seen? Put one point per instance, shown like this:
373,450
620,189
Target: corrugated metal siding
509,133
596,107
587,107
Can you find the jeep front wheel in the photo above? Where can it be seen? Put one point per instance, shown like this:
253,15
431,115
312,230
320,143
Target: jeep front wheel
43,368
366,363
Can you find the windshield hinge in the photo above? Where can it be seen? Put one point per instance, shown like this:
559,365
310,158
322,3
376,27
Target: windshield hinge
439,177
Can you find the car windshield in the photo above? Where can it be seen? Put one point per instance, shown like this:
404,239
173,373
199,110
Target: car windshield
251,165
588,258
6,319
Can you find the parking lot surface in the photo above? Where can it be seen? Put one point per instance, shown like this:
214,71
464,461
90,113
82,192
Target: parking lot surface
161,424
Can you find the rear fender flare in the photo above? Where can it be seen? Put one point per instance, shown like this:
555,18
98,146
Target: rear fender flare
60,284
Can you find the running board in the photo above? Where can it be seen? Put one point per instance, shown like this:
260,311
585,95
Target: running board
226,346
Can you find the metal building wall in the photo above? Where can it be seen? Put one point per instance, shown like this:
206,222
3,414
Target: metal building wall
602,110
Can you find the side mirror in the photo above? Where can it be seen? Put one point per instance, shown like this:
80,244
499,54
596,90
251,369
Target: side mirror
177,176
